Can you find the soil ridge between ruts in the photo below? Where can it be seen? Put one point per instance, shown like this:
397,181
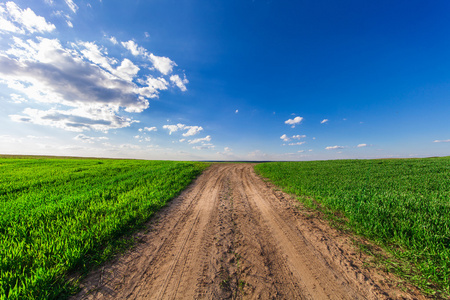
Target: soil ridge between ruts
231,236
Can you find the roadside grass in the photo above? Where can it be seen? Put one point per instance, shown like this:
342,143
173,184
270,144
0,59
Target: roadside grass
401,204
60,216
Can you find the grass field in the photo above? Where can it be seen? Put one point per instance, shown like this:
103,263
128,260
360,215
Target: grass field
403,204
58,216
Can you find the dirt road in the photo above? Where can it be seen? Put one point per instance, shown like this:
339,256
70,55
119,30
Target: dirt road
231,236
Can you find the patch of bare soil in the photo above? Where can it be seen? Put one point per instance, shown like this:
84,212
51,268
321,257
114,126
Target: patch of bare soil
231,236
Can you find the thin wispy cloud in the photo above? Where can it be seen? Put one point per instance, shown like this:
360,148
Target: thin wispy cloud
441,141
334,147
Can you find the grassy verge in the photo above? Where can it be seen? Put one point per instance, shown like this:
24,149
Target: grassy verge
403,205
63,215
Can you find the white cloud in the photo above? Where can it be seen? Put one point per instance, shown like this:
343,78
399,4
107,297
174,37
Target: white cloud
296,144
174,128
441,141
69,24
182,140
334,147
85,88
361,145
324,121
77,120
163,64
113,40
16,20
89,139
227,149
204,147
133,48
192,130
300,151
285,138
237,111
72,5
181,83
148,129
294,121
200,140
17,98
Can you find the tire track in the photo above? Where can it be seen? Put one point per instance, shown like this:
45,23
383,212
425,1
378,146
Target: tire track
230,236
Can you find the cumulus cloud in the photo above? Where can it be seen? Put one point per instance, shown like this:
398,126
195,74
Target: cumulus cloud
324,121
15,98
298,136
334,147
441,141
361,145
162,64
174,128
15,20
77,120
180,83
191,130
237,111
199,140
148,129
294,121
88,89
285,138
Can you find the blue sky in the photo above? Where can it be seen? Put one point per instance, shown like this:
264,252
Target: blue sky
225,80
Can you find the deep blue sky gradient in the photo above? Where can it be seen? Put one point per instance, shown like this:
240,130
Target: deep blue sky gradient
378,71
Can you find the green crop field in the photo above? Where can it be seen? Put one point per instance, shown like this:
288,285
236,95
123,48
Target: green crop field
403,204
58,216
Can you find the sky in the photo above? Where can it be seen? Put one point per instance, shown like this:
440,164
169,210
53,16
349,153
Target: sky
225,80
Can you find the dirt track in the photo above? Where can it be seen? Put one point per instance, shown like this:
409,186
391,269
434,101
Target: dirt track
231,236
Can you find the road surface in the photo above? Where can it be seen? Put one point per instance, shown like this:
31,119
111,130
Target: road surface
230,235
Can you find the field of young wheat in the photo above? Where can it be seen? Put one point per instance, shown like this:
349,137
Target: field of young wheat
58,216
404,204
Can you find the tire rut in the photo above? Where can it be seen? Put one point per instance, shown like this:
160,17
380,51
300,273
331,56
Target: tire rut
231,236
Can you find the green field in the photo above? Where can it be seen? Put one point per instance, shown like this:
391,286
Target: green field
402,204
58,216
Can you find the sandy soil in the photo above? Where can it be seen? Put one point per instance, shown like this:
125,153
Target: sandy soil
230,235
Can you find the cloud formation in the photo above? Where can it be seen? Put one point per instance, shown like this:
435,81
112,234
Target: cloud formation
148,129
441,141
361,145
162,64
285,138
88,89
199,140
294,121
89,139
15,20
324,121
191,130
334,147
